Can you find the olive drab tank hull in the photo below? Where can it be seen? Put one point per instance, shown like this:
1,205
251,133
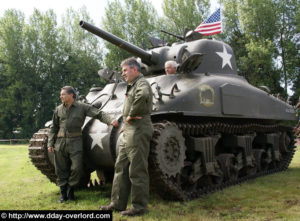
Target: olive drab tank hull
212,128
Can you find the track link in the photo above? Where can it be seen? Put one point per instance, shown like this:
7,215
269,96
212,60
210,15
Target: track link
168,186
40,157
38,153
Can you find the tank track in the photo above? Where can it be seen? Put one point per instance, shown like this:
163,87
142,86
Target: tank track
166,186
38,153
169,188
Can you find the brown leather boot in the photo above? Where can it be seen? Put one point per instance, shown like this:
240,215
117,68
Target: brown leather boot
133,212
109,207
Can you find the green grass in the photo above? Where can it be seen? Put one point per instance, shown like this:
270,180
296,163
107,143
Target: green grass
275,197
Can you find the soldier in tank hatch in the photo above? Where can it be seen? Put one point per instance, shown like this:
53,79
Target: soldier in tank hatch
171,67
131,167
67,121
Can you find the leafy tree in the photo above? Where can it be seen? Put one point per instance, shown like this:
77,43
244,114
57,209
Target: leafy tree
12,71
257,22
262,33
82,52
131,21
234,35
42,61
296,90
260,66
184,14
36,60
296,79
257,18
287,39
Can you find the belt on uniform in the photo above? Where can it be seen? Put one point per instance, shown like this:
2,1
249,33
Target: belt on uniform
68,135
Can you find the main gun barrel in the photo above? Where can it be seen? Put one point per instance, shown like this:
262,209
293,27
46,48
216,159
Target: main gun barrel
145,56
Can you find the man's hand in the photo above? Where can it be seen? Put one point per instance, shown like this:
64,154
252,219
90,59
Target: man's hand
50,149
114,123
128,119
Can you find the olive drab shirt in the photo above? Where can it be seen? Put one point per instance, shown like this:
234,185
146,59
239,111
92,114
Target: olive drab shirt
67,122
138,101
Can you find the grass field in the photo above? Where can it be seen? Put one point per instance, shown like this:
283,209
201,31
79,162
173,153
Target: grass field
275,197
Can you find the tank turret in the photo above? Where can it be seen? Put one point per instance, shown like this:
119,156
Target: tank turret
203,54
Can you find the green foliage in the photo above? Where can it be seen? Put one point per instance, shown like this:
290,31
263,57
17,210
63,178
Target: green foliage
296,89
37,59
258,64
81,52
184,14
12,69
264,37
257,18
132,21
295,64
42,67
287,39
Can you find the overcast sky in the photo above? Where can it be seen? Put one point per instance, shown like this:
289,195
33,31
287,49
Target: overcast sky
95,8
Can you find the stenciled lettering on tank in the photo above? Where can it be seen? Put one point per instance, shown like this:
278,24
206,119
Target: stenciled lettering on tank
289,110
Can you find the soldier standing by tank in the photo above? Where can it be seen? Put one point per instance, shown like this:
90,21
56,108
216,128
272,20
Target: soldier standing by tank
67,121
131,167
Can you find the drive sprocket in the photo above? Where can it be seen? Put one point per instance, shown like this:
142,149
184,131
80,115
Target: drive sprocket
168,149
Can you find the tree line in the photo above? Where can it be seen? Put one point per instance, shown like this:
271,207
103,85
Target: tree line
38,56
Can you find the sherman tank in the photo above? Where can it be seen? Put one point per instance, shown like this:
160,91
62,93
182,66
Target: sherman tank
212,128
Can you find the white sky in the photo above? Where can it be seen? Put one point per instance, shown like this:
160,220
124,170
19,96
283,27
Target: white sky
95,8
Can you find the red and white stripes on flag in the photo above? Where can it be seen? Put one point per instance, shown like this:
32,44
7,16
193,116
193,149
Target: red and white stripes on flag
212,25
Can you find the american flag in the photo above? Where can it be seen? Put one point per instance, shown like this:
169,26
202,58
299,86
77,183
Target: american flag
212,25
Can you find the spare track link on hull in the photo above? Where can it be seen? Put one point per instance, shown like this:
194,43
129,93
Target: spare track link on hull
38,154
170,187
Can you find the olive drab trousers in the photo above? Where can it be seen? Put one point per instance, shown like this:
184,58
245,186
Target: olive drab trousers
66,126
68,160
131,168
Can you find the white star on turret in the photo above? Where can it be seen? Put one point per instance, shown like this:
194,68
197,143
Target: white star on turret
225,57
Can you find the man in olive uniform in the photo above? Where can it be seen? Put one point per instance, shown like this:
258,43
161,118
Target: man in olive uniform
131,167
67,121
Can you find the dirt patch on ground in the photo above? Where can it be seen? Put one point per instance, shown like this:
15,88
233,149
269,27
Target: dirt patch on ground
292,202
